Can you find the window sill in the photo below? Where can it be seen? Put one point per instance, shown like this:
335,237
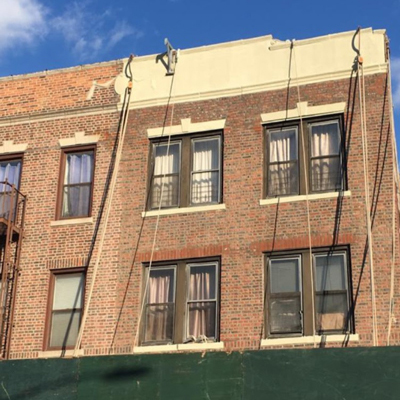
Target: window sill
310,340
314,196
74,221
179,347
183,210
59,353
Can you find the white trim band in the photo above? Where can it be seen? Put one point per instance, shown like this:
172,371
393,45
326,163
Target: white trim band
183,210
304,110
315,196
310,340
187,126
74,221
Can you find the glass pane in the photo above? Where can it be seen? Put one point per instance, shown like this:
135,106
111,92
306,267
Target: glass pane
332,311
76,201
330,272
283,179
64,328
202,284
169,187
285,315
78,168
161,286
159,322
283,146
326,174
166,159
68,291
284,275
206,154
202,319
325,139
205,187
10,171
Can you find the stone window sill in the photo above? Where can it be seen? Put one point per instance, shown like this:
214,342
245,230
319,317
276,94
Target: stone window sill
183,210
314,196
310,340
74,221
179,347
59,353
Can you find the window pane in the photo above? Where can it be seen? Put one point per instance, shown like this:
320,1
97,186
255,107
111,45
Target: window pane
202,319
10,171
206,154
79,168
76,201
159,322
326,174
166,159
168,186
284,275
161,286
330,272
205,187
68,291
283,179
64,328
283,146
202,283
325,139
332,311
285,316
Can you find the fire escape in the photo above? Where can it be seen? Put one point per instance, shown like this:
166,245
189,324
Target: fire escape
12,214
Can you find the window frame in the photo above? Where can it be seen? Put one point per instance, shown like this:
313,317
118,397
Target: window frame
181,296
304,151
308,290
50,303
60,190
14,157
186,168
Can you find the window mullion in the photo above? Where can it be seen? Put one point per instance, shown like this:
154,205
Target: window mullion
186,162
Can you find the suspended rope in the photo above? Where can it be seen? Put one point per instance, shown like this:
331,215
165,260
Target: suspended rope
307,191
144,294
361,89
125,114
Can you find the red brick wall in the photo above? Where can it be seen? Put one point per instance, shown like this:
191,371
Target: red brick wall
240,234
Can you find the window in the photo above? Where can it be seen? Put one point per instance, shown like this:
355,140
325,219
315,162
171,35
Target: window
76,183
290,294
323,152
186,172
181,303
10,172
66,304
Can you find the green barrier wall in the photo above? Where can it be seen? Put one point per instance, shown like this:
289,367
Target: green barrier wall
359,373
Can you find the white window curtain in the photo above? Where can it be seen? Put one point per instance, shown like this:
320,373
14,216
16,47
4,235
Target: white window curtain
77,184
205,175
202,302
325,149
159,321
10,171
283,163
166,175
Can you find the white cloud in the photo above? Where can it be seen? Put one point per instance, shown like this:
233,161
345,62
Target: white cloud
21,22
89,33
395,70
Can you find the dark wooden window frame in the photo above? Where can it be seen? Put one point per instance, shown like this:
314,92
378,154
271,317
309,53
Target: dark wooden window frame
63,160
14,157
186,167
308,291
50,301
304,173
181,296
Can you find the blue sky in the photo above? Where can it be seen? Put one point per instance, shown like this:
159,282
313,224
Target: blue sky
36,35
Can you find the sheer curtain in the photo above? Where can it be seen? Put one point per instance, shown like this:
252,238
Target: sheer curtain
325,147
205,176
159,322
9,171
202,301
283,163
166,163
77,184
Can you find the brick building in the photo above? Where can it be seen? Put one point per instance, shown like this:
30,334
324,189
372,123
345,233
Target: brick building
217,207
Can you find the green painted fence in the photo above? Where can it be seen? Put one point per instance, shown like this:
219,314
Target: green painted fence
357,373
